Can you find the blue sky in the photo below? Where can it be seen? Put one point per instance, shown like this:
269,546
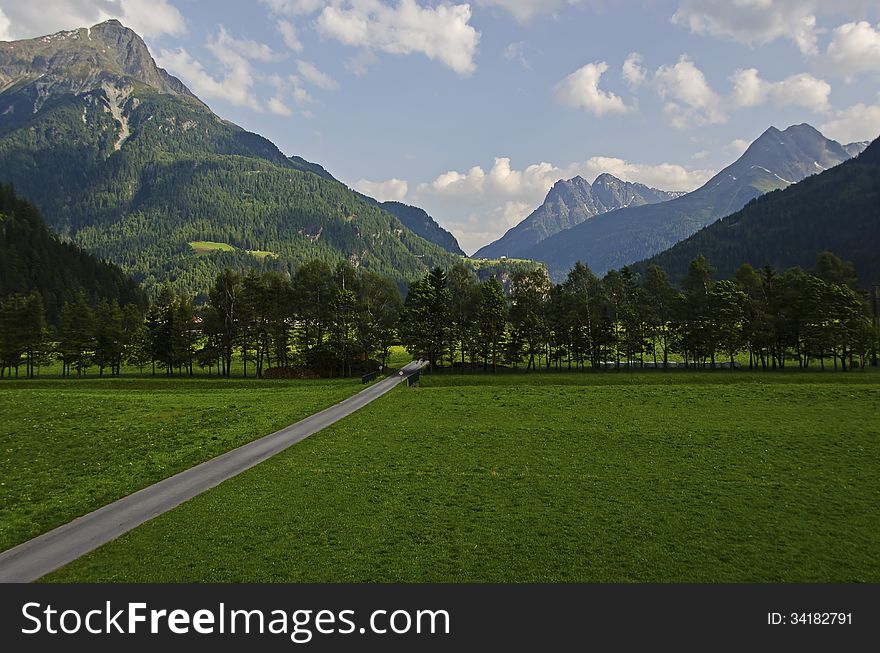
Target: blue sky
472,111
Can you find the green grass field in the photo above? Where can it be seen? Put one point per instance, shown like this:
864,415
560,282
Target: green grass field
203,247
208,246
70,446
703,477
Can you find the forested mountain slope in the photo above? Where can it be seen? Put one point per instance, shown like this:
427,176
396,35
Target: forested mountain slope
122,159
32,259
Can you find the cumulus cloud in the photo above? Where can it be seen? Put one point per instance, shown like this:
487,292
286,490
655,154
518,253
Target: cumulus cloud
234,56
737,146
276,105
233,86
147,17
384,191
859,122
478,205
580,90
525,10
440,33
854,48
633,71
690,99
756,22
311,74
5,33
293,7
799,90
290,36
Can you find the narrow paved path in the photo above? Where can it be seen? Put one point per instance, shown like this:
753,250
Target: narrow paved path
37,557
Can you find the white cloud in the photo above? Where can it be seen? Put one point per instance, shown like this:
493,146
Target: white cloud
360,63
525,10
633,71
854,48
5,33
440,33
799,90
293,7
228,48
737,146
290,36
277,106
235,84
756,22
859,122
315,76
384,191
516,52
152,17
146,17
691,101
580,90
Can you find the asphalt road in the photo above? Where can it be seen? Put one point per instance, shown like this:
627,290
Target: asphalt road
37,557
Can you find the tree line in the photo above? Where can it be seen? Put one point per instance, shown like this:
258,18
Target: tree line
340,320
330,321
623,320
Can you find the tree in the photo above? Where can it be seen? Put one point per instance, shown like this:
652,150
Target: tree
727,306
528,297
662,300
379,305
109,336
492,319
76,335
225,298
424,320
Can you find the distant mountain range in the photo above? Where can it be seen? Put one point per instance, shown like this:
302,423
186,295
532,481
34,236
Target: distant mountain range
837,211
568,204
626,235
124,160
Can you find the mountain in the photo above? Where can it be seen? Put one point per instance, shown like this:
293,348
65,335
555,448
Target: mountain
422,224
617,238
122,159
568,204
837,211
32,258
854,149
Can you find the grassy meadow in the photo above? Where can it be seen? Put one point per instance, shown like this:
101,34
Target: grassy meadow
70,446
630,477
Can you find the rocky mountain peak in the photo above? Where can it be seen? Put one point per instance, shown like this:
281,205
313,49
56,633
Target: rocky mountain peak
81,61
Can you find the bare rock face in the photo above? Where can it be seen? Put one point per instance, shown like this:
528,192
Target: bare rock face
81,61
568,204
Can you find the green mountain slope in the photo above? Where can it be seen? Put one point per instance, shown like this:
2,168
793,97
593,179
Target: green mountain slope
422,224
122,159
31,258
836,211
617,238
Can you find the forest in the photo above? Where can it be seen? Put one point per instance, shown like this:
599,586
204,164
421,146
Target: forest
340,321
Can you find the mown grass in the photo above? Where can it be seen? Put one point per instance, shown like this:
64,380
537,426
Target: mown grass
70,446
701,477
208,246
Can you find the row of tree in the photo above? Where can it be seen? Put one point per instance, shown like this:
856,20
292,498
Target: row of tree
329,320
797,316
335,321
